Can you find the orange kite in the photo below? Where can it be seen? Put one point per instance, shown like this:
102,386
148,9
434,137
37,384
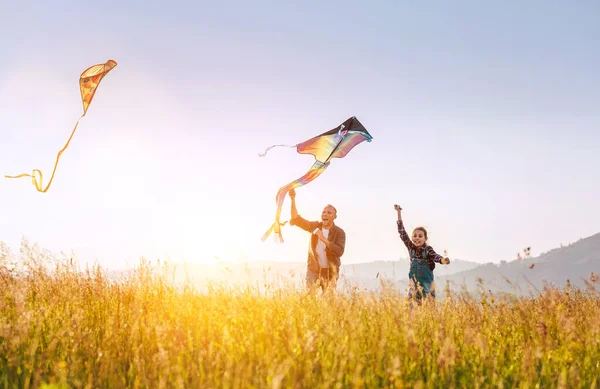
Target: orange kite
88,84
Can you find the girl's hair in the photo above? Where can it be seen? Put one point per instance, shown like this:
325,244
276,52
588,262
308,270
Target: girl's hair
421,229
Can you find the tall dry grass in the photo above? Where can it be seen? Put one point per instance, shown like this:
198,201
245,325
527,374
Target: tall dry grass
61,327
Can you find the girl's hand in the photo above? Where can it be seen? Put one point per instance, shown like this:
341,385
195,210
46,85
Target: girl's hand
445,261
397,207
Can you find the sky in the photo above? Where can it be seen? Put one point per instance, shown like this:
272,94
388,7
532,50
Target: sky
484,117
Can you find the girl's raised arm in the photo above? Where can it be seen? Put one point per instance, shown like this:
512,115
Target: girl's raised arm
401,231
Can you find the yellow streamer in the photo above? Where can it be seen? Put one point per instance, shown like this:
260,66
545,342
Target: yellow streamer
88,85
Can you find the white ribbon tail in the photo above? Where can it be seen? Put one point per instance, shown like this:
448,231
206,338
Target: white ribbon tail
270,147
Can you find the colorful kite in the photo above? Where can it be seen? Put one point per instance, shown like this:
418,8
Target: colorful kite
335,143
88,85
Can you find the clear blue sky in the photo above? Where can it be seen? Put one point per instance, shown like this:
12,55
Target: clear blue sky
485,118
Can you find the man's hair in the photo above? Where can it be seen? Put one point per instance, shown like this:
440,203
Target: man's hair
334,209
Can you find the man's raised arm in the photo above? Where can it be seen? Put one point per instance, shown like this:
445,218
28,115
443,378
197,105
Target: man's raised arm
298,220
294,209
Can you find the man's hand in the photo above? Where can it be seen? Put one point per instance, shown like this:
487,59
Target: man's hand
322,237
292,193
445,261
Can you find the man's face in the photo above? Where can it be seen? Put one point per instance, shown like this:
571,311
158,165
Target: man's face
328,216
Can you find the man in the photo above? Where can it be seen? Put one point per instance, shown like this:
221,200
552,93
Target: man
326,246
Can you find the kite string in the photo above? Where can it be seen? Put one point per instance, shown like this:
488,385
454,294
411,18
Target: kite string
34,181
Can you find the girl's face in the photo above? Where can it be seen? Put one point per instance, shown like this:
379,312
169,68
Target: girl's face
418,238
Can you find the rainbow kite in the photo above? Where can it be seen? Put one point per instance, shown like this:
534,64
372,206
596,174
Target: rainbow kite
335,143
88,85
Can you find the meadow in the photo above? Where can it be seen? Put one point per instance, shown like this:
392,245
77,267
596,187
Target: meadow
66,327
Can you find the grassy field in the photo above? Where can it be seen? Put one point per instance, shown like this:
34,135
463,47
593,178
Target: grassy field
65,328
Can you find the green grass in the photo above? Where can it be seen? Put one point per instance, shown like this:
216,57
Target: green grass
65,328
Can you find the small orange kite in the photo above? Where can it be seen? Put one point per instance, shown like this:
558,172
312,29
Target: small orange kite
88,84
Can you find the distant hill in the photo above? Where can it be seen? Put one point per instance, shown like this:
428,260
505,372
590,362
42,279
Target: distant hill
364,275
574,263
369,274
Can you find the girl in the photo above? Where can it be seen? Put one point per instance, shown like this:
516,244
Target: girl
422,259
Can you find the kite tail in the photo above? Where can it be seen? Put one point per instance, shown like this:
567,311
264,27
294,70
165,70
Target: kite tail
39,183
276,226
316,169
276,230
270,147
